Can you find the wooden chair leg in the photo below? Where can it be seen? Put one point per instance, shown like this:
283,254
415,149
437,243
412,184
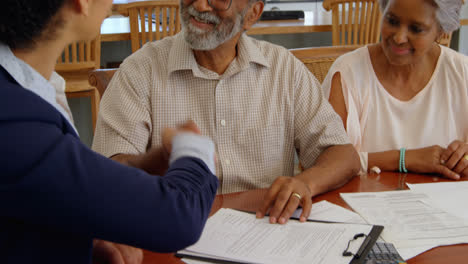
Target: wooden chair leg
94,106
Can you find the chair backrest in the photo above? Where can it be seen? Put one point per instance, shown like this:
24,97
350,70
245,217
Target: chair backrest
354,22
319,59
81,56
445,39
151,20
100,79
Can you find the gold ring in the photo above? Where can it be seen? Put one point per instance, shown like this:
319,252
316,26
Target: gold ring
466,157
295,194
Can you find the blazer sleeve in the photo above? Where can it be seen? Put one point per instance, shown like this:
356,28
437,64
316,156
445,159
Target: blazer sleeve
52,180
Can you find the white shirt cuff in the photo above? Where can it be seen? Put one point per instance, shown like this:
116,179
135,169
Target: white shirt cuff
193,145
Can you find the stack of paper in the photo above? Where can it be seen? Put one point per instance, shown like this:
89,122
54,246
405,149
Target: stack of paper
330,212
447,196
411,223
238,236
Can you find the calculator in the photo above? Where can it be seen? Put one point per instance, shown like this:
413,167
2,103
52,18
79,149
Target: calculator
384,253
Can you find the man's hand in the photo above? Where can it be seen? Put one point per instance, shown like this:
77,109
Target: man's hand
105,252
283,197
169,133
455,158
428,160
155,160
333,168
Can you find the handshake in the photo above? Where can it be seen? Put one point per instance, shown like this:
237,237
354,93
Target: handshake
169,134
184,140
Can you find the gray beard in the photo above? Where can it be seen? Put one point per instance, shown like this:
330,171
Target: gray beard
202,40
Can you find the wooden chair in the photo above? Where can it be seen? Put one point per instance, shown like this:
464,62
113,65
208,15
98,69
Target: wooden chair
354,22
164,15
100,79
445,39
74,64
319,59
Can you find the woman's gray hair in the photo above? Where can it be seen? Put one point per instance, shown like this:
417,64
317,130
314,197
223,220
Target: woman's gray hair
447,14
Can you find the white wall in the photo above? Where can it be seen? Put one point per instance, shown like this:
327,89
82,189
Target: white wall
291,41
310,6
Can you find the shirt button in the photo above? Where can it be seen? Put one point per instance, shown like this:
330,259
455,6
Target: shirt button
228,162
223,122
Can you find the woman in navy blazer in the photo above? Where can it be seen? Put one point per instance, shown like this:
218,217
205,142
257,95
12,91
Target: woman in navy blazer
56,195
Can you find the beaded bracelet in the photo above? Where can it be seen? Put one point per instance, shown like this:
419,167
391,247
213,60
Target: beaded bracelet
401,166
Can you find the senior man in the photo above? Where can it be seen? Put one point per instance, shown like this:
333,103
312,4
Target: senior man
254,99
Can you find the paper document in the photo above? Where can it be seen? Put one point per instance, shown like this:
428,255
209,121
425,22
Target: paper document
239,236
409,221
330,212
448,196
192,261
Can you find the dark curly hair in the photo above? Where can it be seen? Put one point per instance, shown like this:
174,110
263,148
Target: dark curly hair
23,22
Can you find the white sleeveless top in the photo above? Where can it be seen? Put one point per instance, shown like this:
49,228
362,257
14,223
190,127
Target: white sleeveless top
377,121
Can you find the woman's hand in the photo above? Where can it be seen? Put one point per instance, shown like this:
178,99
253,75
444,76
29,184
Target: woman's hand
428,160
455,158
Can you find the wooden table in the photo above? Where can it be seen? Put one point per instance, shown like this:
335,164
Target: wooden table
250,201
117,28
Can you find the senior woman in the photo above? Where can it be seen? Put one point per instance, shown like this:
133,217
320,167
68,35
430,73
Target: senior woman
57,195
404,101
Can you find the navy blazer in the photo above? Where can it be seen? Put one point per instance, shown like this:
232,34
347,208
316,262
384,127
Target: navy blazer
57,195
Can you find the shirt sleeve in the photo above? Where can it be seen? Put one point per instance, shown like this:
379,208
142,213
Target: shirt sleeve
317,126
124,124
52,181
355,93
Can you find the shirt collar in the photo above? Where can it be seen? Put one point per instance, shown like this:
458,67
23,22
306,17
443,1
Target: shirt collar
250,52
30,79
182,58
